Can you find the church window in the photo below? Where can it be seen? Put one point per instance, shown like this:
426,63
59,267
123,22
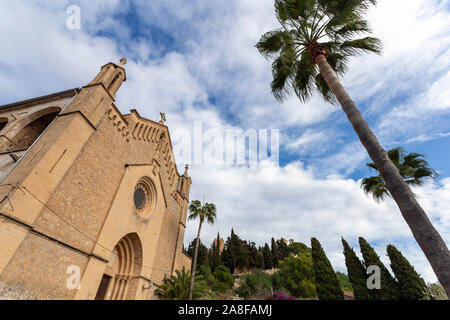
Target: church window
144,197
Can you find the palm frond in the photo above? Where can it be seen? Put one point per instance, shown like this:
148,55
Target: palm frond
376,186
358,46
303,84
396,155
271,42
282,70
413,169
323,88
351,28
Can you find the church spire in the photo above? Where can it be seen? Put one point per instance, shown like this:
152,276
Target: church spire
111,76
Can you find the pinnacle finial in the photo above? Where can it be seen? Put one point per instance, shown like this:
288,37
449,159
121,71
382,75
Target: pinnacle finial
123,62
186,168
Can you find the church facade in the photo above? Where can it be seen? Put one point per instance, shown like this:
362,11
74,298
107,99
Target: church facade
91,202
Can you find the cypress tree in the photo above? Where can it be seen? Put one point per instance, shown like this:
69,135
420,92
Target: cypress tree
216,259
267,253
283,251
412,286
202,255
327,284
356,273
234,255
260,260
389,287
275,256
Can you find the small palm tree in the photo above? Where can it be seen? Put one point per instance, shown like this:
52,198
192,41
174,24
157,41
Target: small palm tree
414,170
310,50
177,287
202,211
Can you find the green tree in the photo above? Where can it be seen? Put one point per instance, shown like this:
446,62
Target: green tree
177,287
254,260
260,259
216,259
414,170
297,275
356,273
389,287
327,284
224,279
201,211
283,251
310,50
412,286
275,256
202,256
297,248
232,255
268,259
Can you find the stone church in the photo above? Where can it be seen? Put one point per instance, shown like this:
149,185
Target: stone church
91,202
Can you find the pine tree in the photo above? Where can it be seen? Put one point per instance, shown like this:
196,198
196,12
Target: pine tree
356,273
389,287
267,253
327,284
275,256
412,286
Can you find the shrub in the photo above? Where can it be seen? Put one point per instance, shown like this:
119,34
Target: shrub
256,283
223,279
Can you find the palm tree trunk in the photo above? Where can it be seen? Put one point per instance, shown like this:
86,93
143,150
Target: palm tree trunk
194,265
423,231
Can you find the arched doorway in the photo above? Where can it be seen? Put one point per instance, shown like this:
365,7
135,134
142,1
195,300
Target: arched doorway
121,276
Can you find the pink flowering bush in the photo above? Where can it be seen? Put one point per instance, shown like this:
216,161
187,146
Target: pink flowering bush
280,296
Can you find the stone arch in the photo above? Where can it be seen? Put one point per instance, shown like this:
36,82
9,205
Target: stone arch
123,271
28,129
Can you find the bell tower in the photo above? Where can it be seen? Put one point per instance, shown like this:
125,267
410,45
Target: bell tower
111,76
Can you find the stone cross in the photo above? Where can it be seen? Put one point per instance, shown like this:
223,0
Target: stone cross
123,62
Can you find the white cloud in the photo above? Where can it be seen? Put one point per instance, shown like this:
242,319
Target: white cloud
307,137
40,55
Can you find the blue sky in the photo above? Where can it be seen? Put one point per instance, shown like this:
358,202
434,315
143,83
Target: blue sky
196,61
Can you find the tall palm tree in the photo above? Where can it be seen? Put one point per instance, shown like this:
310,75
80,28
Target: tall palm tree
312,48
202,211
411,166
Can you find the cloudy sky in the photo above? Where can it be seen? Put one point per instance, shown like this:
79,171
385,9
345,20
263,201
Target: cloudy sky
196,61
